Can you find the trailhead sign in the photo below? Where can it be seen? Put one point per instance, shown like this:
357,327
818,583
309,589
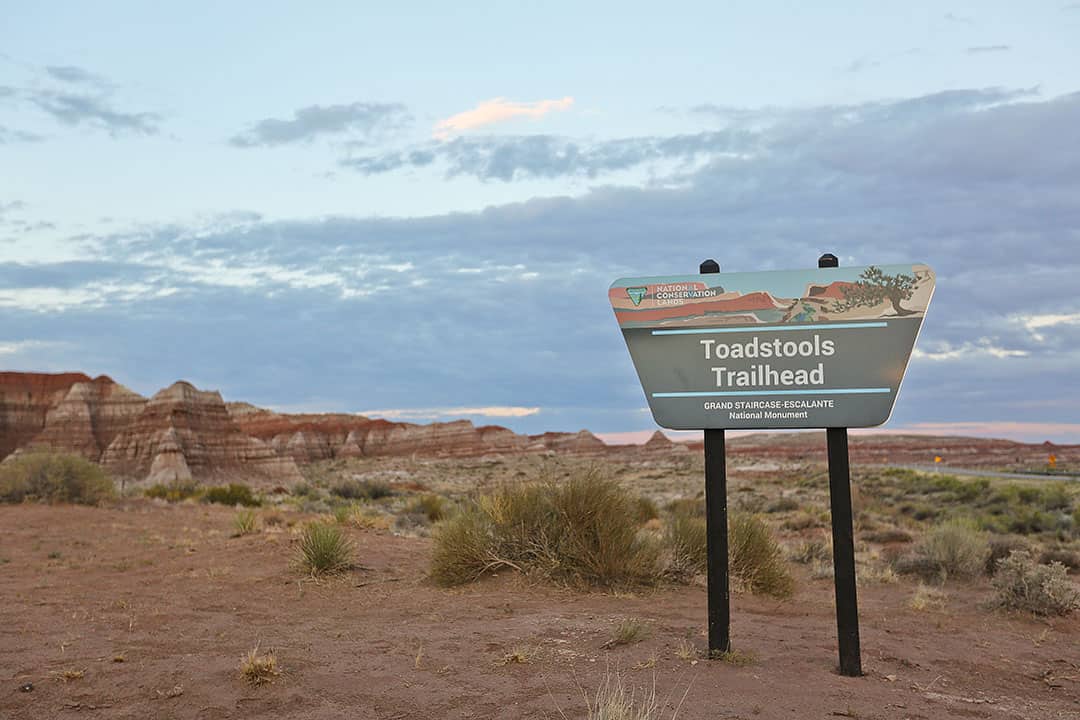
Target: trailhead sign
782,349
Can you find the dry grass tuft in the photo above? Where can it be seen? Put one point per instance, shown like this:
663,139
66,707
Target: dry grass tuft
519,655
687,651
68,675
736,658
928,598
615,700
629,631
259,669
245,522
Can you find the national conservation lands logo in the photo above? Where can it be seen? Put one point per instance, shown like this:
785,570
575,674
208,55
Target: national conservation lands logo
636,294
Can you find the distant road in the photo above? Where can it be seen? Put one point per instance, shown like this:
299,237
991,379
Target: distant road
989,473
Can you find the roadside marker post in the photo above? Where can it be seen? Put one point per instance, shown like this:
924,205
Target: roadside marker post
775,350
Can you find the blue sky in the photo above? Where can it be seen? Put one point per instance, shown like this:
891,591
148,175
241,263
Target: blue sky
418,209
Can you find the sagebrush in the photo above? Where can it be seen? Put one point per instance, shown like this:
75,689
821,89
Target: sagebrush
1022,583
581,531
55,478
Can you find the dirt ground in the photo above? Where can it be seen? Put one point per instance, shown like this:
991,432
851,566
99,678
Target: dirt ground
155,604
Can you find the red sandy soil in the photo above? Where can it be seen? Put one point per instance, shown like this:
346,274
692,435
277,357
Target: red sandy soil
166,588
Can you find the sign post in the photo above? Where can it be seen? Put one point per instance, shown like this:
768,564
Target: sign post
843,539
716,530
823,348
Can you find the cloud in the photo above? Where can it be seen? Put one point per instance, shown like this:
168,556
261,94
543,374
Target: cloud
451,412
75,75
1035,323
94,111
314,121
967,350
506,307
8,135
495,111
747,135
982,49
89,106
9,348
861,64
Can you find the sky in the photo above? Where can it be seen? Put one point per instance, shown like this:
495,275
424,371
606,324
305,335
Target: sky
414,210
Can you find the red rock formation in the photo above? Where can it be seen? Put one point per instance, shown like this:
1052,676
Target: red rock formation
581,442
89,417
66,412
309,438
183,433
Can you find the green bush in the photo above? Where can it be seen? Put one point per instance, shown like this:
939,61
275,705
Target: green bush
954,549
582,531
1021,583
362,490
645,510
55,478
174,491
756,559
433,507
690,507
325,549
231,494
687,543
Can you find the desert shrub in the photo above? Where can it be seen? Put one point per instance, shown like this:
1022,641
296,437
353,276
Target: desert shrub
629,631
53,477
173,492
685,537
1021,583
231,494
645,510
887,536
581,531
802,521
811,551
325,549
1000,547
305,490
756,558
343,513
1068,557
954,549
361,490
784,504
433,507
689,507
245,522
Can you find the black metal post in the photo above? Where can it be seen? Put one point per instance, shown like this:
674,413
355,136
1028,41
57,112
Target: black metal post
716,531
843,536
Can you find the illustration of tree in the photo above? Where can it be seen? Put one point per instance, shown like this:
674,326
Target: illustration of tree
874,288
